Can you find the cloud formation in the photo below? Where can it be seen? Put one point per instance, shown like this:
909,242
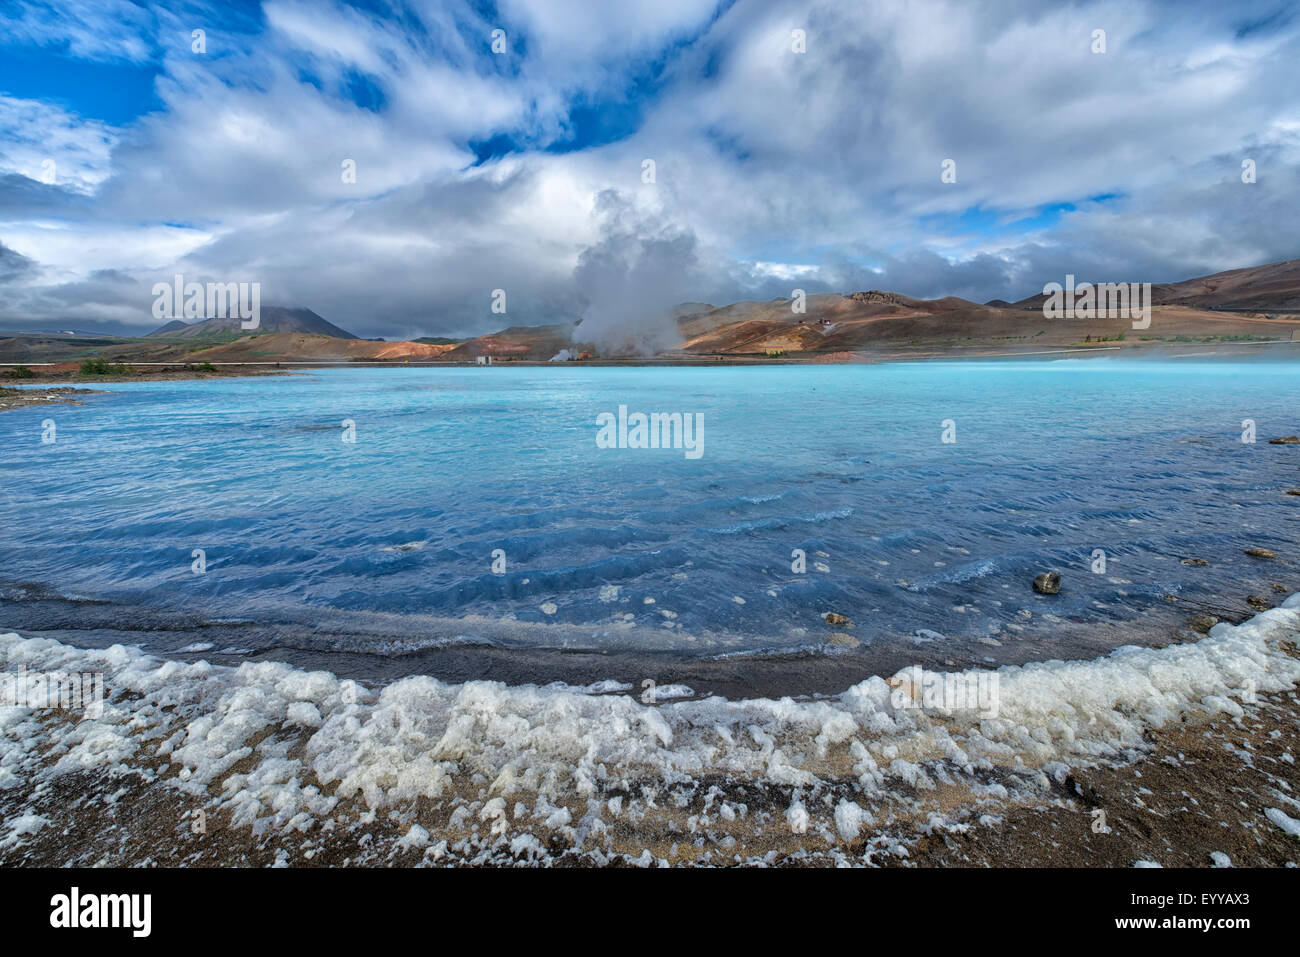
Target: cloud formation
522,170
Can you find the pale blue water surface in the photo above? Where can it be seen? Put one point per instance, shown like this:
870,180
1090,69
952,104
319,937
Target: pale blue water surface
386,544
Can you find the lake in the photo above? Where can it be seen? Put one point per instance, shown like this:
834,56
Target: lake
472,522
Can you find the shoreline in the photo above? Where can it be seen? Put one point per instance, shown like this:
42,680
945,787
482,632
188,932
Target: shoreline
380,648
1273,350
22,398
71,378
298,768
1202,789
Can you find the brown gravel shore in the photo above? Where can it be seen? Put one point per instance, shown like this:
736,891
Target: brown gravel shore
1203,789
69,373
20,398
66,382
1207,792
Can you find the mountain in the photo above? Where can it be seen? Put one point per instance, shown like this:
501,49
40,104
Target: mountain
831,322
273,319
1226,307
1274,287
1255,305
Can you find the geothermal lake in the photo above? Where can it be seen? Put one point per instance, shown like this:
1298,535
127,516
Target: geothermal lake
466,521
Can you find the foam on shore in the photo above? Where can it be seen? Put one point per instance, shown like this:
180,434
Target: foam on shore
493,769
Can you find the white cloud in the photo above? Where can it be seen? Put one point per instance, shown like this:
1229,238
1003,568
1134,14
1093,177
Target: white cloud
771,165
37,134
107,29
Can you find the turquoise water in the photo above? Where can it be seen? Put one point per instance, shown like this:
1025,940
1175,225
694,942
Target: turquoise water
914,539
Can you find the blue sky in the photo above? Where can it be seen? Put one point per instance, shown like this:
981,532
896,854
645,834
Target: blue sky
127,156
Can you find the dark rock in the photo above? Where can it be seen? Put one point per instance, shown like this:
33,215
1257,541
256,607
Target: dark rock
1089,796
1195,561
832,618
1286,440
1280,589
1258,602
874,295
1202,624
1048,583
1259,553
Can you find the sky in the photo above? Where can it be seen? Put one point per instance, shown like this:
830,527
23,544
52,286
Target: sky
795,145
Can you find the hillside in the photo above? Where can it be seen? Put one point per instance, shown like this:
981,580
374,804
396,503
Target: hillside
533,343
1274,287
266,348
304,347
1253,305
272,319
841,324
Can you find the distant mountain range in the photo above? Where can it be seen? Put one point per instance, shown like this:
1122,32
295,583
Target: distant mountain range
1274,287
272,319
1254,305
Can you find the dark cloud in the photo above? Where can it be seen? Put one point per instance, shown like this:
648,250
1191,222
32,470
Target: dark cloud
14,265
22,196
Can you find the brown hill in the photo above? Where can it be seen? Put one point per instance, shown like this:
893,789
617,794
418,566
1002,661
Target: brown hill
1261,303
831,323
1274,287
270,319
953,326
534,343
302,347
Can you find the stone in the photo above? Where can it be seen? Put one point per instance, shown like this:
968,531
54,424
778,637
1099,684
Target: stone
1259,553
842,638
1286,440
1048,583
1199,562
1258,602
832,618
1202,623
